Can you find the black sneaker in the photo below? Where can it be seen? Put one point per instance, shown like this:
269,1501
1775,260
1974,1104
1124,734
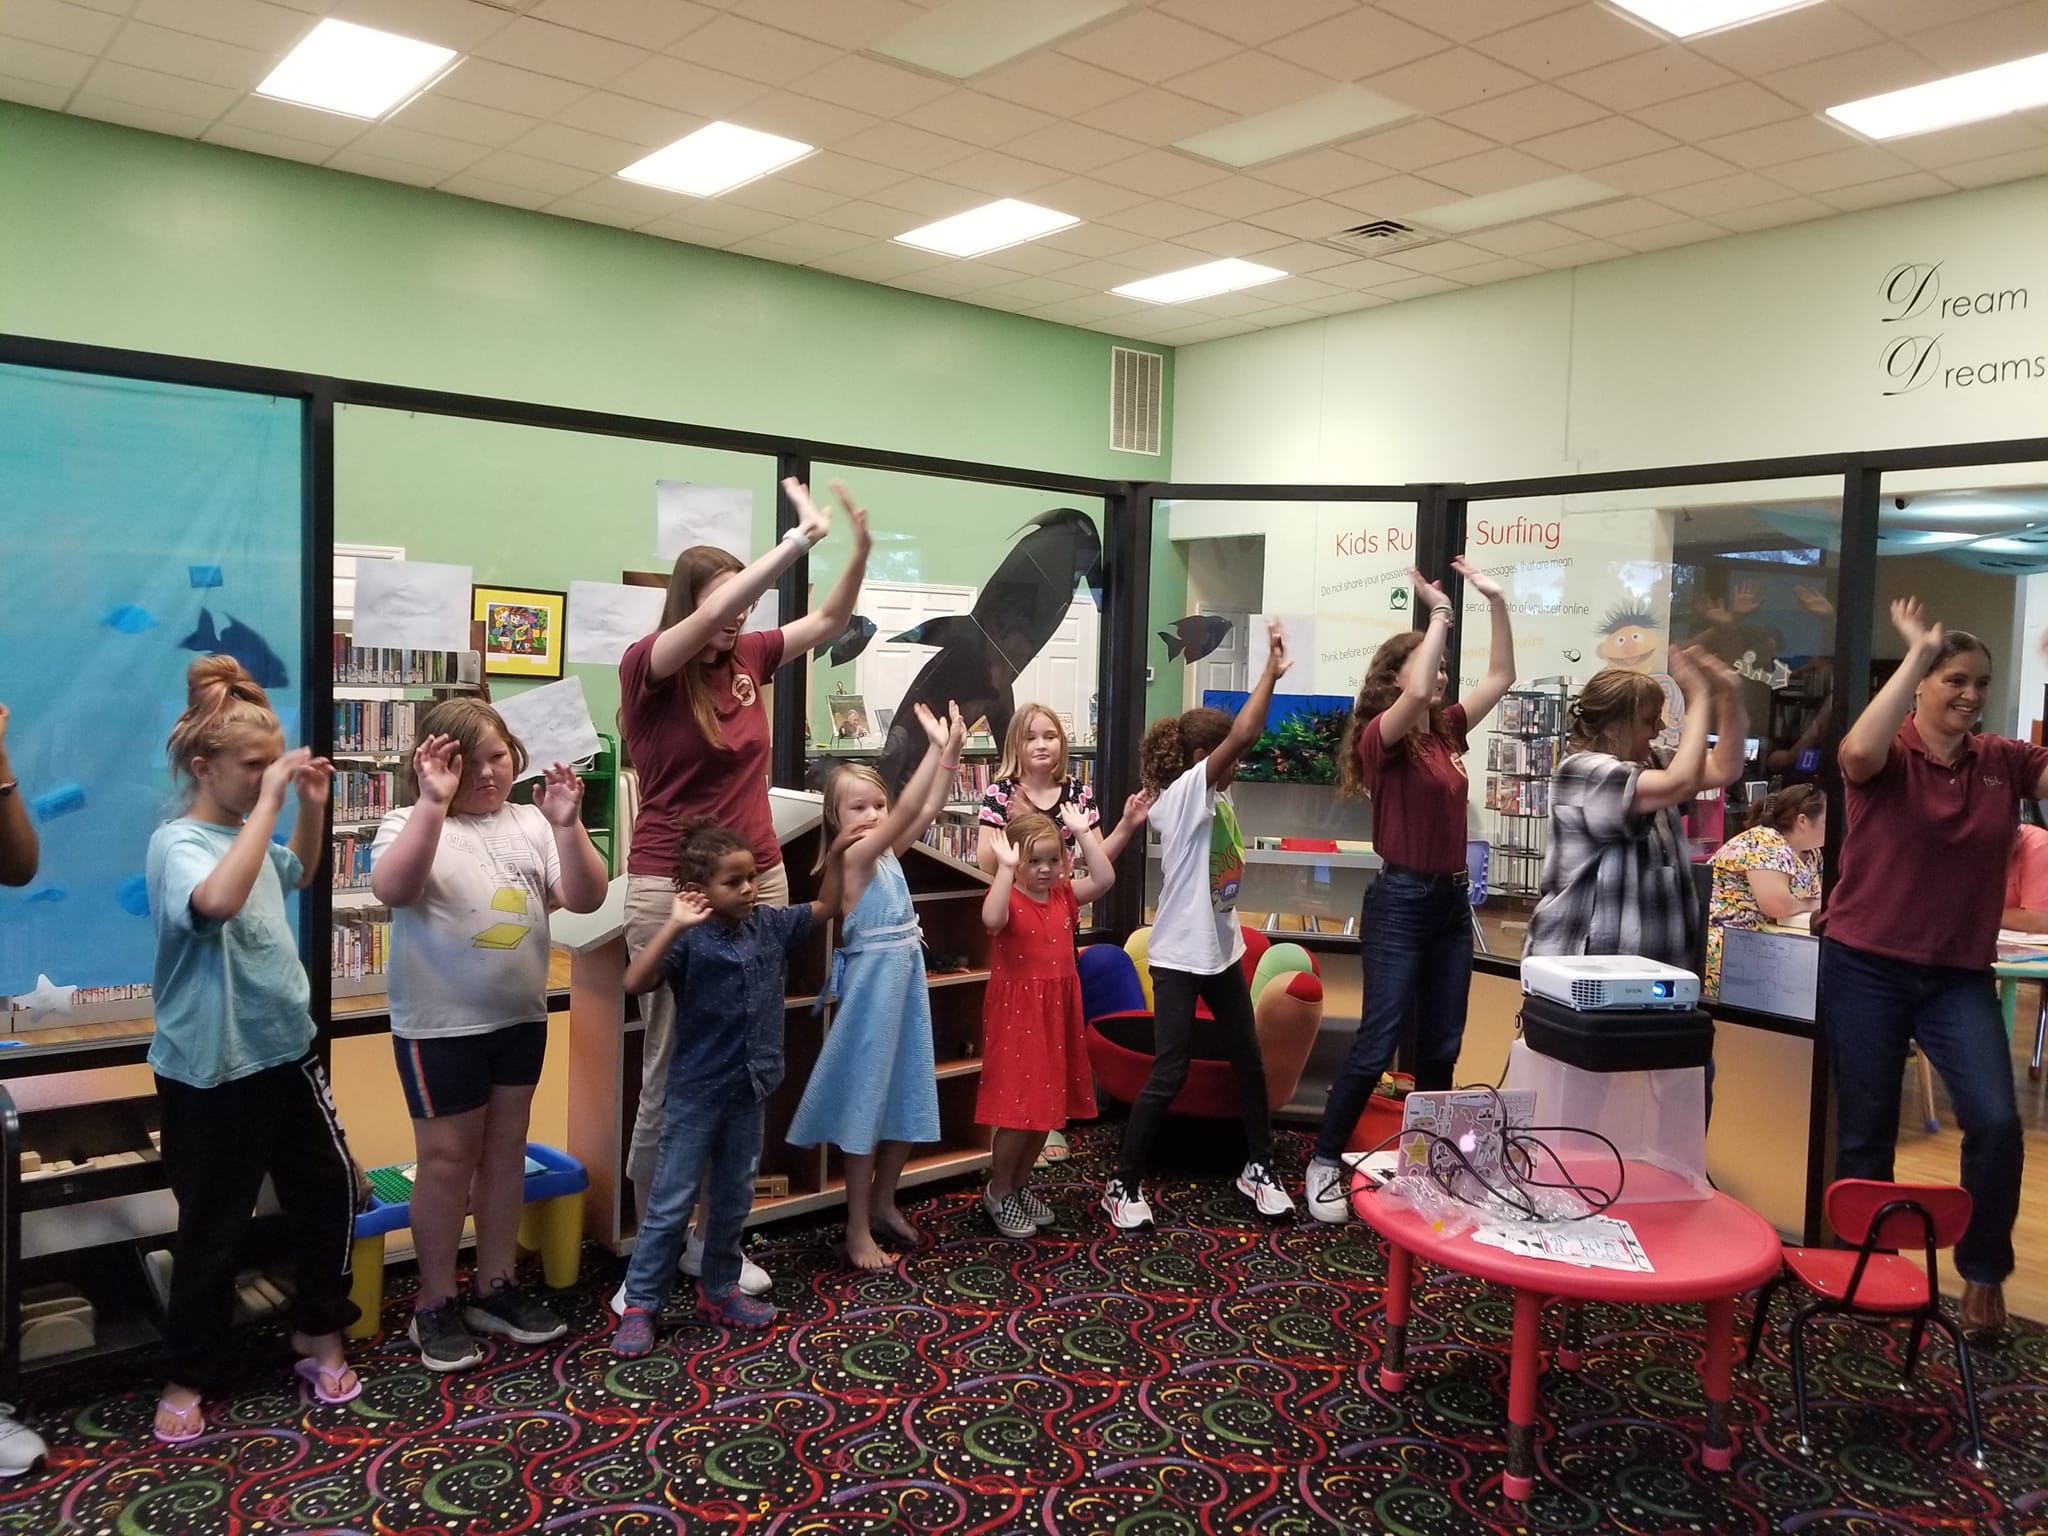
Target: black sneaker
506,1310
445,1345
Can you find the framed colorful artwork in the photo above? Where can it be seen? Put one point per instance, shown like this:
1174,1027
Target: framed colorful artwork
523,630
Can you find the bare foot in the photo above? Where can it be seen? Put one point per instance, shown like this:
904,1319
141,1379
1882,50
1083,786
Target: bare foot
892,1223
863,1252
178,1414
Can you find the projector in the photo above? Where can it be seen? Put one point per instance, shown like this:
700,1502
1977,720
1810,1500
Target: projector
1586,982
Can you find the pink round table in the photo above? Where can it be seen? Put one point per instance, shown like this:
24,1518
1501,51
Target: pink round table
1708,1251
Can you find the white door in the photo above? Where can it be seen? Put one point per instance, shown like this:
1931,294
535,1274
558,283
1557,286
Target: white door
1062,674
1228,666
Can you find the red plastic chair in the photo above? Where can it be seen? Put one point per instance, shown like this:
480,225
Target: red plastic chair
1873,1285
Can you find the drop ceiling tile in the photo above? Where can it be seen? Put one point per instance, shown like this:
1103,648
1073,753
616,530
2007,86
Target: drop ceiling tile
760,247
556,142
804,118
987,121
1160,172
1591,145
33,93
511,90
709,221
1228,239
483,190
1971,141
1161,220
120,7
1789,210
587,212
740,47
939,283
1235,196
259,115
1147,45
1092,242
1790,38
40,65
1396,195
1712,199
1997,168
1317,173
903,147
927,199
1502,269
1103,275
1728,109
774,194
1356,43
1072,147
283,146
848,24
1155,117
1031,292
404,172
814,239
267,28
55,25
1298,289
1031,259
1645,78
1092,306
1463,20
1494,170
173,95
1568,41
1161,256
1605,221
869,85
1521,239
1349,303
1249,83
546,49
1086,198
457,24
1905,18
1776,143
1668,168
1442,256
1667,236
1256,23
1446,81
624,118
1417,287
1312,219
1585,253
880,263
1055,84
1525,114
541,176
875,220
190,57
830,171
642,23
634,200
431,112
133,114
1417,145
1304,256
1843,168
1001,175
1872,71
1891,189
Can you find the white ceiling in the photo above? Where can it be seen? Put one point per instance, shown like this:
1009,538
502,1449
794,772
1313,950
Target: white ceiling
551,97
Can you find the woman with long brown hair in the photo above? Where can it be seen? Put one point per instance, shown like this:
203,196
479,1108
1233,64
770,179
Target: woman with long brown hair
1767,873
696,728
1404,747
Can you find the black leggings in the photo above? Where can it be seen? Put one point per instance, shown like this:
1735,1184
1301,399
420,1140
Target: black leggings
1229,998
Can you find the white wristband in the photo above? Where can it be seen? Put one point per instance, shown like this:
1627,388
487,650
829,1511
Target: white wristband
797,537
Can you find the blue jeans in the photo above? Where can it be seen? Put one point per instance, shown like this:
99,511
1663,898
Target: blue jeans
1415,944
708,1139
1870,1007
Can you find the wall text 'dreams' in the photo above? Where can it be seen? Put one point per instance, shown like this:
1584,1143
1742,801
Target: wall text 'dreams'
1924,291
1914,288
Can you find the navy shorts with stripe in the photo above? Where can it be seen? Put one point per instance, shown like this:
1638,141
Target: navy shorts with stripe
454,1074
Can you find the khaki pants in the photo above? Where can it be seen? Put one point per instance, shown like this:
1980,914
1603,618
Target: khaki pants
649,900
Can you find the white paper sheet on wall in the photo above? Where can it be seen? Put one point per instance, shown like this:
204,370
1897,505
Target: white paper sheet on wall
412,605
686,514
553,722
1300,630
605,618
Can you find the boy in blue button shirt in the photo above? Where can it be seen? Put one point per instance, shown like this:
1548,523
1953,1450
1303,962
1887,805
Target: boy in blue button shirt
725,959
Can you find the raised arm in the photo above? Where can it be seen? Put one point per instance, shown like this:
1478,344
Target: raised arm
1418,672
582,884
950,738
1867,745
995,906
1094,853
831,900
649,966
1251,719
220,895
826,622
1730,754
399,876
315,783
693,631
1679,781
1136,810
18,850
1500,658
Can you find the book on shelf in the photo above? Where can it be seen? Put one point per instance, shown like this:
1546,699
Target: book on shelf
348,857
389,666
1531,714
955,839
1529,756
375,725
1513,796
359,947
364,794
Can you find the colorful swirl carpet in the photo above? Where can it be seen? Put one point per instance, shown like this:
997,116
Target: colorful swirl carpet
1214,1376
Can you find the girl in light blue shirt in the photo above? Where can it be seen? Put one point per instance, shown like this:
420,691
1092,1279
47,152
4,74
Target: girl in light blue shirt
240,1090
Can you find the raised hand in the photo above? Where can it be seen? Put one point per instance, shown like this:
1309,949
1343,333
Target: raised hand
1712,609
855,514
1428,595
956,728
1277,659
1813,602
1744,599
814,520
560,797
1477,579
1718,675
1074,819
281,773
1007,856
1138,807
934,727
1684,661
314,781
1910,620
437,764
689,909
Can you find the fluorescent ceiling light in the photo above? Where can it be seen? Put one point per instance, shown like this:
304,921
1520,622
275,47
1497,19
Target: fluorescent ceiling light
965,37
981,230
1970,98
1343,113
1537,198
1690,18
1200,282
356,71
714,159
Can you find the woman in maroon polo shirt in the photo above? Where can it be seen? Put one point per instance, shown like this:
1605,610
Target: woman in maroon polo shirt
1405,748
1912,931
696,728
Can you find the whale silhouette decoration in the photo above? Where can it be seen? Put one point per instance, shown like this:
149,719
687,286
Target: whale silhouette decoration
981,653
244,644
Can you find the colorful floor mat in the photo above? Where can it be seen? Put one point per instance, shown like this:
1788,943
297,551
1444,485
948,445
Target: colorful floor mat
1217,1375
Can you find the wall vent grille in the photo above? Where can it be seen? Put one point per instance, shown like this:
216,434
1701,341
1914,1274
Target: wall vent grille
1136,403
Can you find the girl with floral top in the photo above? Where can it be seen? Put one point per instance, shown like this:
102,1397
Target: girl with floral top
1032,776
1769,872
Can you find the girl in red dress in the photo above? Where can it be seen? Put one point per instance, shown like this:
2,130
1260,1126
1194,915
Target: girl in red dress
1034,1068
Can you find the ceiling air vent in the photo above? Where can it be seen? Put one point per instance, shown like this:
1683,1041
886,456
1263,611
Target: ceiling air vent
1135,389
1376,237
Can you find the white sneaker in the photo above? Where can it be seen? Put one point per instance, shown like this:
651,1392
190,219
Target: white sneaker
1329,1192
1260,1187
618,1301
1127,1208
754,1280
20,1447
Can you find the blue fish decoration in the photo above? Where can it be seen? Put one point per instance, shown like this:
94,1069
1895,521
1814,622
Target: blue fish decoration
133,895
61,801
45,893
204,575
1195,636
129,619
244,644
849,642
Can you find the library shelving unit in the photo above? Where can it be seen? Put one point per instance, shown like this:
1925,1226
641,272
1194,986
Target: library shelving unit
1524,747
605,1036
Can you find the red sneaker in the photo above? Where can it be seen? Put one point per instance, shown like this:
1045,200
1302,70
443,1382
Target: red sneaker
739,1310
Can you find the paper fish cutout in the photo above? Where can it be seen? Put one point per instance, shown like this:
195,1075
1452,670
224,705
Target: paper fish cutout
244,644
129,619
133,895
1019,608
1195,636
47,997
204,575
61,801
849,642
45,893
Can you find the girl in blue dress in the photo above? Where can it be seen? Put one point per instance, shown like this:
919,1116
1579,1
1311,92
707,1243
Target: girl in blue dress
873,1092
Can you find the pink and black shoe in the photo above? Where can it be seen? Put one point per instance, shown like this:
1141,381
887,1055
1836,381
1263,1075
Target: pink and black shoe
739,1310
634,1335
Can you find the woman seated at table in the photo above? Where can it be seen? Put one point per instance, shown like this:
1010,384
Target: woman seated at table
1769,872
2026,883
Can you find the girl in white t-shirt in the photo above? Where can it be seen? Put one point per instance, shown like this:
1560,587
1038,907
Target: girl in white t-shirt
1188,761
470,880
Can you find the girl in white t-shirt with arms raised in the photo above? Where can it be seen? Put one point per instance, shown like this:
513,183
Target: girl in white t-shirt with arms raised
470,880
